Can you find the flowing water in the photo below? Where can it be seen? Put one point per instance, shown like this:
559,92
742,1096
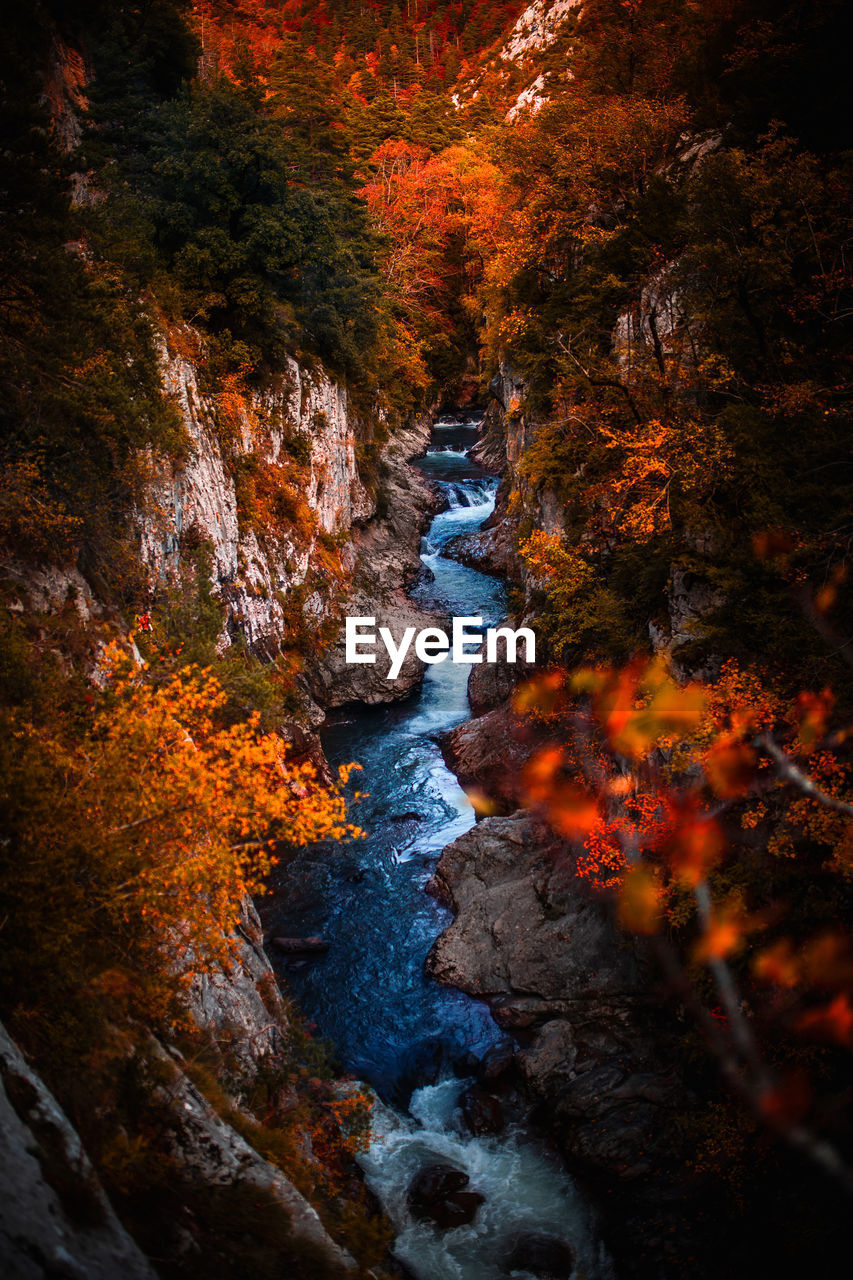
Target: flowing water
388,1023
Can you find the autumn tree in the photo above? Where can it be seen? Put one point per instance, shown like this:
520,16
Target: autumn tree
442,217
130,846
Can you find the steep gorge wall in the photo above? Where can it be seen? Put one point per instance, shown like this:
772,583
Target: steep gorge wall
255,568
271,487
56,1218
311,543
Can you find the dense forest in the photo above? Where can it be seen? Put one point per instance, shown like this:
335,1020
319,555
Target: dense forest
622,228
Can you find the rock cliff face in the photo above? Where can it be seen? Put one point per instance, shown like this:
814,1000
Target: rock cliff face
592,1048
325,550
55,1219
208,1151
242,1008
382,559
245,1016
306,415
517,64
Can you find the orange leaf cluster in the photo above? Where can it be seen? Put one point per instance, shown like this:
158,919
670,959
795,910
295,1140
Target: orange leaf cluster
182,813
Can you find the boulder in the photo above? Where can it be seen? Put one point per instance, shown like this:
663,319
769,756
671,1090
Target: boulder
483,1112
438,1194
488,551
493,548
530,938
544,1256
336,683
491,684
489,753
498,1061
457,1210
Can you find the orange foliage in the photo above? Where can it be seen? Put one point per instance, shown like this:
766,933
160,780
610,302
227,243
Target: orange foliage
651,781
682,743
640,901
182,815
830,1022
444,216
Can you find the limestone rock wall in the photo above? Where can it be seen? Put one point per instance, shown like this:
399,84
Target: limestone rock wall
254,569
55,1219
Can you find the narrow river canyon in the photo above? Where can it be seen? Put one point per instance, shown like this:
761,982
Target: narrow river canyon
558,985
413,1040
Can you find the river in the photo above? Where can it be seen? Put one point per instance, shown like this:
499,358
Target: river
390,1025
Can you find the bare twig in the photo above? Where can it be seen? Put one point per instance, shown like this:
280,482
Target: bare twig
791,773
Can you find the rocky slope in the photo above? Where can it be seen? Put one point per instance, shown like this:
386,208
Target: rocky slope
55,1218
593,1052
321,550
382,559
328,551
254,567
528,938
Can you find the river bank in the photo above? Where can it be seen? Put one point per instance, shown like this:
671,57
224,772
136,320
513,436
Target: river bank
415,1041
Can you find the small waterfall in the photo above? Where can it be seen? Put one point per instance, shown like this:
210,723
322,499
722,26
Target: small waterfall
526,1193
469,493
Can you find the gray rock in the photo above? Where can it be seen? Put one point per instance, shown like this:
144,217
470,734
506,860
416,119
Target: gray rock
489,753
529,938
384,559
521,925
489,550
55,1220
437,1194
197,496
211,1152
494,547
335,682
242,1006
498,1061
492,684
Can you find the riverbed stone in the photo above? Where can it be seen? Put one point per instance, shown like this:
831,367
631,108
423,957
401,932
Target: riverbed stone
483,1112
489,753
438,1193
545,1256
498,1061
